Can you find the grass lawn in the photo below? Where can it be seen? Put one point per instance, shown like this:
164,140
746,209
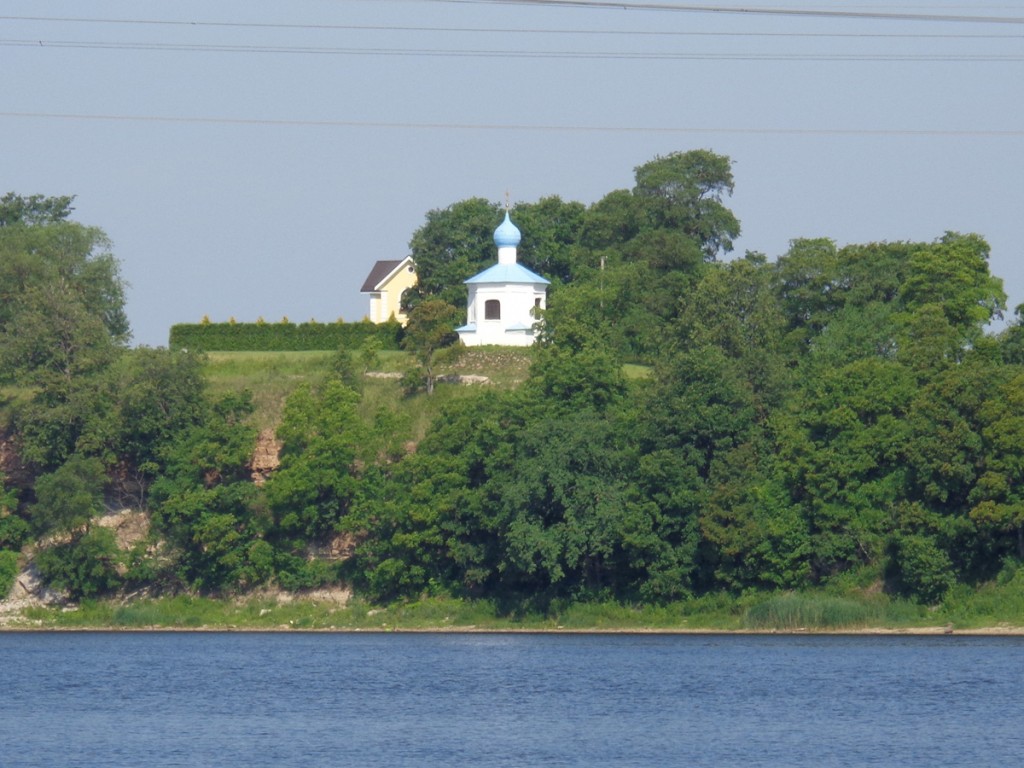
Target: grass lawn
272,376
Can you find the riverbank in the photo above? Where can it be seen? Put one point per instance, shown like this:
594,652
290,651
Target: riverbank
337,611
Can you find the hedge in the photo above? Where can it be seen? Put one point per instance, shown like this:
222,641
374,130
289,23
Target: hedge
283,337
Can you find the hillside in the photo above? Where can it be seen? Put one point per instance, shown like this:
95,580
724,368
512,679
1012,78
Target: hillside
272,376
838,423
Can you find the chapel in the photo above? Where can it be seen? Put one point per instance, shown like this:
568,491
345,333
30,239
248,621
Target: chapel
504,298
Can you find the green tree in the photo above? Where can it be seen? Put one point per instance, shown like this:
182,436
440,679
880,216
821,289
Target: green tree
808,281
734,308
8,571
551,231
321,435
207,511
453,245
85,563
615,219
430,329
617,305
695,413
14,529
843,459
62,267
841,304
88,566
571,522
576,370
998,495
640,252
62,322
8,497
159,393
70,497
684,190
953,274
918,567
35,209
1011,339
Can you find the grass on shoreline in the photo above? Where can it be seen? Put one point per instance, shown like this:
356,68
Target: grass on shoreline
779,612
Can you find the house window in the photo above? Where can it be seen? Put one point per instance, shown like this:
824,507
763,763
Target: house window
492,309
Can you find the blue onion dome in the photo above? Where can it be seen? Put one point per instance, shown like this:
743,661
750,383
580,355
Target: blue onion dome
507,234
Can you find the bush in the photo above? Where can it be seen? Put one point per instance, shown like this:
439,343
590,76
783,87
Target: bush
14,532
283,337
918,568
86,566
297,573
8,571
68,497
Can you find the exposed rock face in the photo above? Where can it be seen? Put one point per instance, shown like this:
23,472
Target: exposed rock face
383,375
28,591
29,587
267,456
466,378
130,526
341,547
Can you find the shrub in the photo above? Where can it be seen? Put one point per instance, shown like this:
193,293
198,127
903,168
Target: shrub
14,532
918,568
8,571
296,573
68,497
87,566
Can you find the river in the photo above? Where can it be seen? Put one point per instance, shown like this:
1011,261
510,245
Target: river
292,699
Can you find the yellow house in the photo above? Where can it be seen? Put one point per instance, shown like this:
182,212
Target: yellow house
386,283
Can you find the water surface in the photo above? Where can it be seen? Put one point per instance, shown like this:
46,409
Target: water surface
201,699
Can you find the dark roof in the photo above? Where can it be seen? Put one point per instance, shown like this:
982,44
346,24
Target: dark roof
380,270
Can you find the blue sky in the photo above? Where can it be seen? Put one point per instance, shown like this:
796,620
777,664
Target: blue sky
255,158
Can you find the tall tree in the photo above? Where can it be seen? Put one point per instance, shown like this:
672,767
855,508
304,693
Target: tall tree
551,231
207,510
953,275
684,190
453,245
34,209
59,261
430,329
62,320
321,436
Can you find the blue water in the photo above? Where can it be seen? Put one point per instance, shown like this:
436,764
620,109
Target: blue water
508,700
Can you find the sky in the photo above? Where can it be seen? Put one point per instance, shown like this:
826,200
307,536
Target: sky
254,159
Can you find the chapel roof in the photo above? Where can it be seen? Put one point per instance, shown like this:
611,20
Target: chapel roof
508,273
507,234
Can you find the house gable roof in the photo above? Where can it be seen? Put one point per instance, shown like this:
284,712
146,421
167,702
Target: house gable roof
382,272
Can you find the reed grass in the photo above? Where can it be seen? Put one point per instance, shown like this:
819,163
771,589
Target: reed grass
819,612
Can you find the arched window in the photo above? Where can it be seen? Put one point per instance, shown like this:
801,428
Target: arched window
492,309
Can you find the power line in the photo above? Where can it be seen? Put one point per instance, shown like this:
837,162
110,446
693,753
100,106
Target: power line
502,30
291,123
511,54
749,10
